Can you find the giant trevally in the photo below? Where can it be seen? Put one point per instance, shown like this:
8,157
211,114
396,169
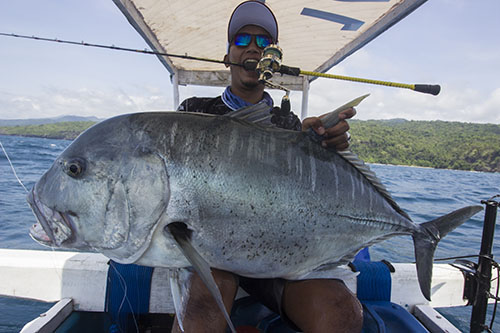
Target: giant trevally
177,189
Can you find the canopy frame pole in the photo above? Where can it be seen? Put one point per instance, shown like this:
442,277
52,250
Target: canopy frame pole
305,97
175,86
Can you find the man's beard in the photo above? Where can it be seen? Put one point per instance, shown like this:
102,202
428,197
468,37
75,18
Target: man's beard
251,84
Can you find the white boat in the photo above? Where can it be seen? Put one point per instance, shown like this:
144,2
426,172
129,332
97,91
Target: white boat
78,281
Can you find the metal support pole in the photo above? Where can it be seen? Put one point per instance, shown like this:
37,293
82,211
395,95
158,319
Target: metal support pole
175,87
305,97
480,304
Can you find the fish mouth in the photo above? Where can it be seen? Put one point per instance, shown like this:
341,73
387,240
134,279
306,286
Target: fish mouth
53,228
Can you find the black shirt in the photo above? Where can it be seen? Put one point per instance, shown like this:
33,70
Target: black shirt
215,105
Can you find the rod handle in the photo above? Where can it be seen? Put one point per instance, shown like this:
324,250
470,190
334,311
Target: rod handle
432,89
295,71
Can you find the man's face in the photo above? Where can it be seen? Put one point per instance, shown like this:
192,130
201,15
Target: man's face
240,78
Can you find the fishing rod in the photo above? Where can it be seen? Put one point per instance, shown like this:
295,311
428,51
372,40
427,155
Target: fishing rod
267,66
271,63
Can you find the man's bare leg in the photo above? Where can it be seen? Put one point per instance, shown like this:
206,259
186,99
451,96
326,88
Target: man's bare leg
322,306
202,312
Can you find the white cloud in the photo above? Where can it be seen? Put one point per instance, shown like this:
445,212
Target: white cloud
456,102
54,101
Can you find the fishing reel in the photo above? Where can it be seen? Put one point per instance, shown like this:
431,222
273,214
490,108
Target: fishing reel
270,62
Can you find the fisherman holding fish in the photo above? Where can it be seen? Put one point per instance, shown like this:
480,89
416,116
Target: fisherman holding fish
318,305
239,203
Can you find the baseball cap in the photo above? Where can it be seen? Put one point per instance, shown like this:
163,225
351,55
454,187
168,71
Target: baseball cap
252,13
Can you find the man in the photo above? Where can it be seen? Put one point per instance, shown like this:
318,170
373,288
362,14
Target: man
311,305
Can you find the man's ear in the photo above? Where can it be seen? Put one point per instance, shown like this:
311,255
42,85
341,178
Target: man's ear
226,60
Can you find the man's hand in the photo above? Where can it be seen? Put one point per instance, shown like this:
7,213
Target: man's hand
335,136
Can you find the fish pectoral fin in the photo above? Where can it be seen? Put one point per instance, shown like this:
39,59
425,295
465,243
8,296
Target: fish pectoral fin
182,235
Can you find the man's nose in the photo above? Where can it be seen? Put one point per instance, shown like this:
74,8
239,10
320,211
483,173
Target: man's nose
253,46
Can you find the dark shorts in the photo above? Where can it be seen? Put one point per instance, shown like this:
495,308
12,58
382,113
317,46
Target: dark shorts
270,293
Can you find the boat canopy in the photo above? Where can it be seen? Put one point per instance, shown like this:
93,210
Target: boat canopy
314,35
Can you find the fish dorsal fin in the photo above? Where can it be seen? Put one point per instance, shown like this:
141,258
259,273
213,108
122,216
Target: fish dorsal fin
330,120
182,236
258,114
365,170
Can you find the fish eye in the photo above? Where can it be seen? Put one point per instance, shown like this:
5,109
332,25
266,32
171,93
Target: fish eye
75,167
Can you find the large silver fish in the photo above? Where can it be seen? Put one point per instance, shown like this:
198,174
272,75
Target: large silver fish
178,189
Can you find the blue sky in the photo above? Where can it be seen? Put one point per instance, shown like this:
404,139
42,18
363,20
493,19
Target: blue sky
455,43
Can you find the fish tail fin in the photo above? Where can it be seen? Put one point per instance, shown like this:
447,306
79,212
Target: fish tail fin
426,240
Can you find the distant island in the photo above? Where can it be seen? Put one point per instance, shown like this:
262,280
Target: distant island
67,130
435,144
41,121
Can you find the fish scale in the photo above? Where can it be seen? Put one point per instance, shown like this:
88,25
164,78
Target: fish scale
265,173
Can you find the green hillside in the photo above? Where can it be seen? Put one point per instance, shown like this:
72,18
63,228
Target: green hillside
436,144
64,130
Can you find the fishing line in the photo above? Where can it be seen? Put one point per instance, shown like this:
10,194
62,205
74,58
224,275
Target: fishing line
53,257
123,283
461,257
12,167
495,264
21,183
497,267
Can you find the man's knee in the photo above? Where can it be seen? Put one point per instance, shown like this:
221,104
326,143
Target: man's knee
322,306
201,298
202,313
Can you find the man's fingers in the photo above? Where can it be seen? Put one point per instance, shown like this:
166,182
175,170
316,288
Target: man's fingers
347,114
337,130
340,142
315,123
335,136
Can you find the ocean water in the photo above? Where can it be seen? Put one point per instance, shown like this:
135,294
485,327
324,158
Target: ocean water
423,193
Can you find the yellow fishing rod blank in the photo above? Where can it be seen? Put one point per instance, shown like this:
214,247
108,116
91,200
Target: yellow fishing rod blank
423,88
432,89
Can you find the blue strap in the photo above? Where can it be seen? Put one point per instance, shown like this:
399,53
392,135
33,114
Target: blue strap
374,281
127,292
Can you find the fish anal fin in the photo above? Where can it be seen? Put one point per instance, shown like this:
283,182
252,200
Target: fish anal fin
179,285
182,235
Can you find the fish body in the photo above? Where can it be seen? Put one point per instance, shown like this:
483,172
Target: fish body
257,201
